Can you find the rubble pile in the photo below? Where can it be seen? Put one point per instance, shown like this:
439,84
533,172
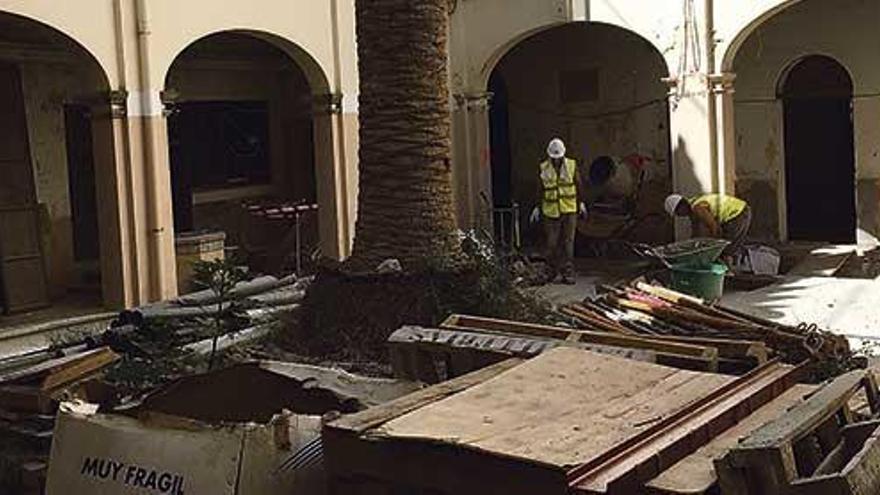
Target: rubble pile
657,312
144,349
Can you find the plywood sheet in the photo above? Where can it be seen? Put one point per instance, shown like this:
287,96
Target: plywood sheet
695,474
562,408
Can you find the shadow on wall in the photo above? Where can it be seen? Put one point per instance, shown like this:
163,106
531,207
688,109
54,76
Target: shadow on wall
683,173
763,198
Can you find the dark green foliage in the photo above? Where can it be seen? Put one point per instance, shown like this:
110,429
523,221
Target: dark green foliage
220,276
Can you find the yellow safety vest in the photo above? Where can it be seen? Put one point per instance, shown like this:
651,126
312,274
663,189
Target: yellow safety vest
723,208
560,190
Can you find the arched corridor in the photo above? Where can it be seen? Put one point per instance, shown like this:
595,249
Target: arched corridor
573,82
244,149
56,159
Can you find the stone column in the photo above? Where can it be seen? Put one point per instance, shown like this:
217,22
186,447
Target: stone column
472,171
118,250
160,205
335,135
723,90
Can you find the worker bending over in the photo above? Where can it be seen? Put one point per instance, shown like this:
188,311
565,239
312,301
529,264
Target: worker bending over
559,208
715,215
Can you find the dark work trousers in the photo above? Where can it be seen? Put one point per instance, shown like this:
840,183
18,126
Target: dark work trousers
735,230
559,244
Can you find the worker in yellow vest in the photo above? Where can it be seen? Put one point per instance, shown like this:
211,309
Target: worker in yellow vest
714,215
559,208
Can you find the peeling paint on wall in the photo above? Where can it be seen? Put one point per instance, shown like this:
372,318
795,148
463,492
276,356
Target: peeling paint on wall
46,89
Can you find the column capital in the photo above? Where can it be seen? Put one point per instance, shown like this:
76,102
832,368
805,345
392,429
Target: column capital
722,83
327,104
169,98
473,101
118,99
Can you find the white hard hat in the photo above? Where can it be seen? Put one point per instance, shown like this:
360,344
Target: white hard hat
556,149
672,202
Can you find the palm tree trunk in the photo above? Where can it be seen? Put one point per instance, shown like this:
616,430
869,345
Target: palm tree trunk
405,207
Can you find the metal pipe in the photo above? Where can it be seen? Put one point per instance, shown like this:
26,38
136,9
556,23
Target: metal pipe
149,109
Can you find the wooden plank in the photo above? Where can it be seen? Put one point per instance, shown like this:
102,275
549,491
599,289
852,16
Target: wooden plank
462,322
400,466
767,457
630,464
375,416
40,371
459,341
598,321
79,368
860,476
727,348
809,415
563,408
695,474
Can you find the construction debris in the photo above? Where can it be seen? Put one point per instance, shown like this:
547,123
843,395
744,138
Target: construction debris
422,353
817,447
573,419
144,348
252,428
649,310
567,421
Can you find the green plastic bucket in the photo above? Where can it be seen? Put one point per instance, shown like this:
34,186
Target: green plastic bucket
705,282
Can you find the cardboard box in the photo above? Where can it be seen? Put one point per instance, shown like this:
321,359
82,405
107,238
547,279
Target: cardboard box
194,451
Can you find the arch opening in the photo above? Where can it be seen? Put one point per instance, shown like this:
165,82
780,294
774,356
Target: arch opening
819,151
242,145
600,88
57,162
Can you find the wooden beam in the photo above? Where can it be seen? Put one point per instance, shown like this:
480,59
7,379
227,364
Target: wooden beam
462,322
375,416
628,466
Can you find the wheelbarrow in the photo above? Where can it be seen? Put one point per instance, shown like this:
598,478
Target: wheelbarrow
692,265
694,252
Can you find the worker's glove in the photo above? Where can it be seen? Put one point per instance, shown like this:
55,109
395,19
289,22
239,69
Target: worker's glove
582,211
535,216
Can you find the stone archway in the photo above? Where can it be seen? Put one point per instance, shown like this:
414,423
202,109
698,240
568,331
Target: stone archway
58,154
767,67
245,139
570,81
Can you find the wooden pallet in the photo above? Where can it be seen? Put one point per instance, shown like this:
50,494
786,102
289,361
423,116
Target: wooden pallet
816,448
682,355
566,420
432,355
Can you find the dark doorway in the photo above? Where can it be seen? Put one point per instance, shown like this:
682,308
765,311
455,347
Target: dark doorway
499,139
215,145
819,152
81,178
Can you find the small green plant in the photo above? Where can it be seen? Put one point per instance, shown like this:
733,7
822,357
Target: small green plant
220,276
